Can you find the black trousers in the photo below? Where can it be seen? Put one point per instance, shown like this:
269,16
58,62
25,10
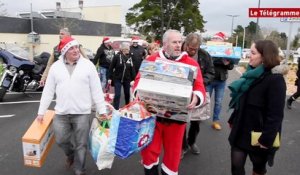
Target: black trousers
297,93
190,138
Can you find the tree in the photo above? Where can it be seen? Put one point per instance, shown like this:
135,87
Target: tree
147,17
239,33
279,38
295,43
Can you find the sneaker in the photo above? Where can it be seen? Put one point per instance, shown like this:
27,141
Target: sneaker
183,152
216,126
194,149
79,173
289,103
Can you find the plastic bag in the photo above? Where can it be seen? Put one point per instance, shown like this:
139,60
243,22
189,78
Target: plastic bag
98,142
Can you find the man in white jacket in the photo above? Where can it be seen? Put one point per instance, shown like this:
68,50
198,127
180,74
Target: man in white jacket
76,84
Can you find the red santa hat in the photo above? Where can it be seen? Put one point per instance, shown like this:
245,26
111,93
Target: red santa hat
65,44
106,40
135,39
220,35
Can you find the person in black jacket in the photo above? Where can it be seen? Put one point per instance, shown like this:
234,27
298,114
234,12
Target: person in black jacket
192,47
221,66
297,93
138,53
122,73
257,99
103,58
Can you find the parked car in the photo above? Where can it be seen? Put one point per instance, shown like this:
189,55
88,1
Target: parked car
117,42
246,53
89,53
296,55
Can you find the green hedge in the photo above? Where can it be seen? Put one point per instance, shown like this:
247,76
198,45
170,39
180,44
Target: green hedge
1,69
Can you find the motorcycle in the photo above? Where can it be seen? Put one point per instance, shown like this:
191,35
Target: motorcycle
20,74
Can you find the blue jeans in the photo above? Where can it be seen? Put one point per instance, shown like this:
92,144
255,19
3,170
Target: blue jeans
118,87
219,87
103,74
77,126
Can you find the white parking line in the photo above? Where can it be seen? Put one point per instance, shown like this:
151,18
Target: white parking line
20,102
7,116
14,93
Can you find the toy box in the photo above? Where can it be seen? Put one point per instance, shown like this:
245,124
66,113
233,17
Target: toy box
224,51
167,72
38,140
166,99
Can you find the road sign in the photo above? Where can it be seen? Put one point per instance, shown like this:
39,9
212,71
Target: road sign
290,19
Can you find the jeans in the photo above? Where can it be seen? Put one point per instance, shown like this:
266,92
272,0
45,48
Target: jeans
76,126
219,87
118,86
103,73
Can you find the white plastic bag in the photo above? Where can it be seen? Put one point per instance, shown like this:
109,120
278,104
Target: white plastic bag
98,142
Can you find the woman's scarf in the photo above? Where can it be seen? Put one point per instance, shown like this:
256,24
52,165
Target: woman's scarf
241,85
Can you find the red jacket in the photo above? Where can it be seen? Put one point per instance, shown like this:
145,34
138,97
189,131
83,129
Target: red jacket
198,87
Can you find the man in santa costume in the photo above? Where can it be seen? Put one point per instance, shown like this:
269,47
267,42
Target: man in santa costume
169,133
75,82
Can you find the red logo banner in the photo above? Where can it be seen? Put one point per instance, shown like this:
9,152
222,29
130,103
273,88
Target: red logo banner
274,12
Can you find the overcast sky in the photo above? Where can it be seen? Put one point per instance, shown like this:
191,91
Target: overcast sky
213,11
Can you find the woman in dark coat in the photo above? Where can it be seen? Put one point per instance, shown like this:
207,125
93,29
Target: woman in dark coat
122,73
258,99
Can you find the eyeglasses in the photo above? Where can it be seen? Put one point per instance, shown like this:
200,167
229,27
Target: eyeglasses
191,48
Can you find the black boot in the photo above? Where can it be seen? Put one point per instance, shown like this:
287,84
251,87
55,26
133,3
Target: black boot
152,171
289,103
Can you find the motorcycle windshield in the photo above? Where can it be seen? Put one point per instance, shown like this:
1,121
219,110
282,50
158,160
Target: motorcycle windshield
18,51
11,59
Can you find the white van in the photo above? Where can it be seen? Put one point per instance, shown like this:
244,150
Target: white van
296,55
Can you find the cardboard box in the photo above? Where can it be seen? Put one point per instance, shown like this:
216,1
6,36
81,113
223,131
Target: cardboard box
168,71
166,99
224,51
38,140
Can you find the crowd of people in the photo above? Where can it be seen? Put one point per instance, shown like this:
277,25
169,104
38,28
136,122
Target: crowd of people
257,98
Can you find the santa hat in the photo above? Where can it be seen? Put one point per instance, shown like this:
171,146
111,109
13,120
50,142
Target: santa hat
135,39
106,40
65,44
157,42
220,35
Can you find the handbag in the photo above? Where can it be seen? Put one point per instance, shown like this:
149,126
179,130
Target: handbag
255,136
202,112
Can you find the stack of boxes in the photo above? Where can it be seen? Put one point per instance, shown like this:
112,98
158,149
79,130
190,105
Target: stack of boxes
166,88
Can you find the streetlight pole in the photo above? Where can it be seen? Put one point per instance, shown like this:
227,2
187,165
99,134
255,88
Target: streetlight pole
244,37
232,16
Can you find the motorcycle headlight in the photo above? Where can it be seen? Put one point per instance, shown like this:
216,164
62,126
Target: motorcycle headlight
21,72
13,69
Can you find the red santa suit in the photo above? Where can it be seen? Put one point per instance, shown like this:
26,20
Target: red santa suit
169,133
